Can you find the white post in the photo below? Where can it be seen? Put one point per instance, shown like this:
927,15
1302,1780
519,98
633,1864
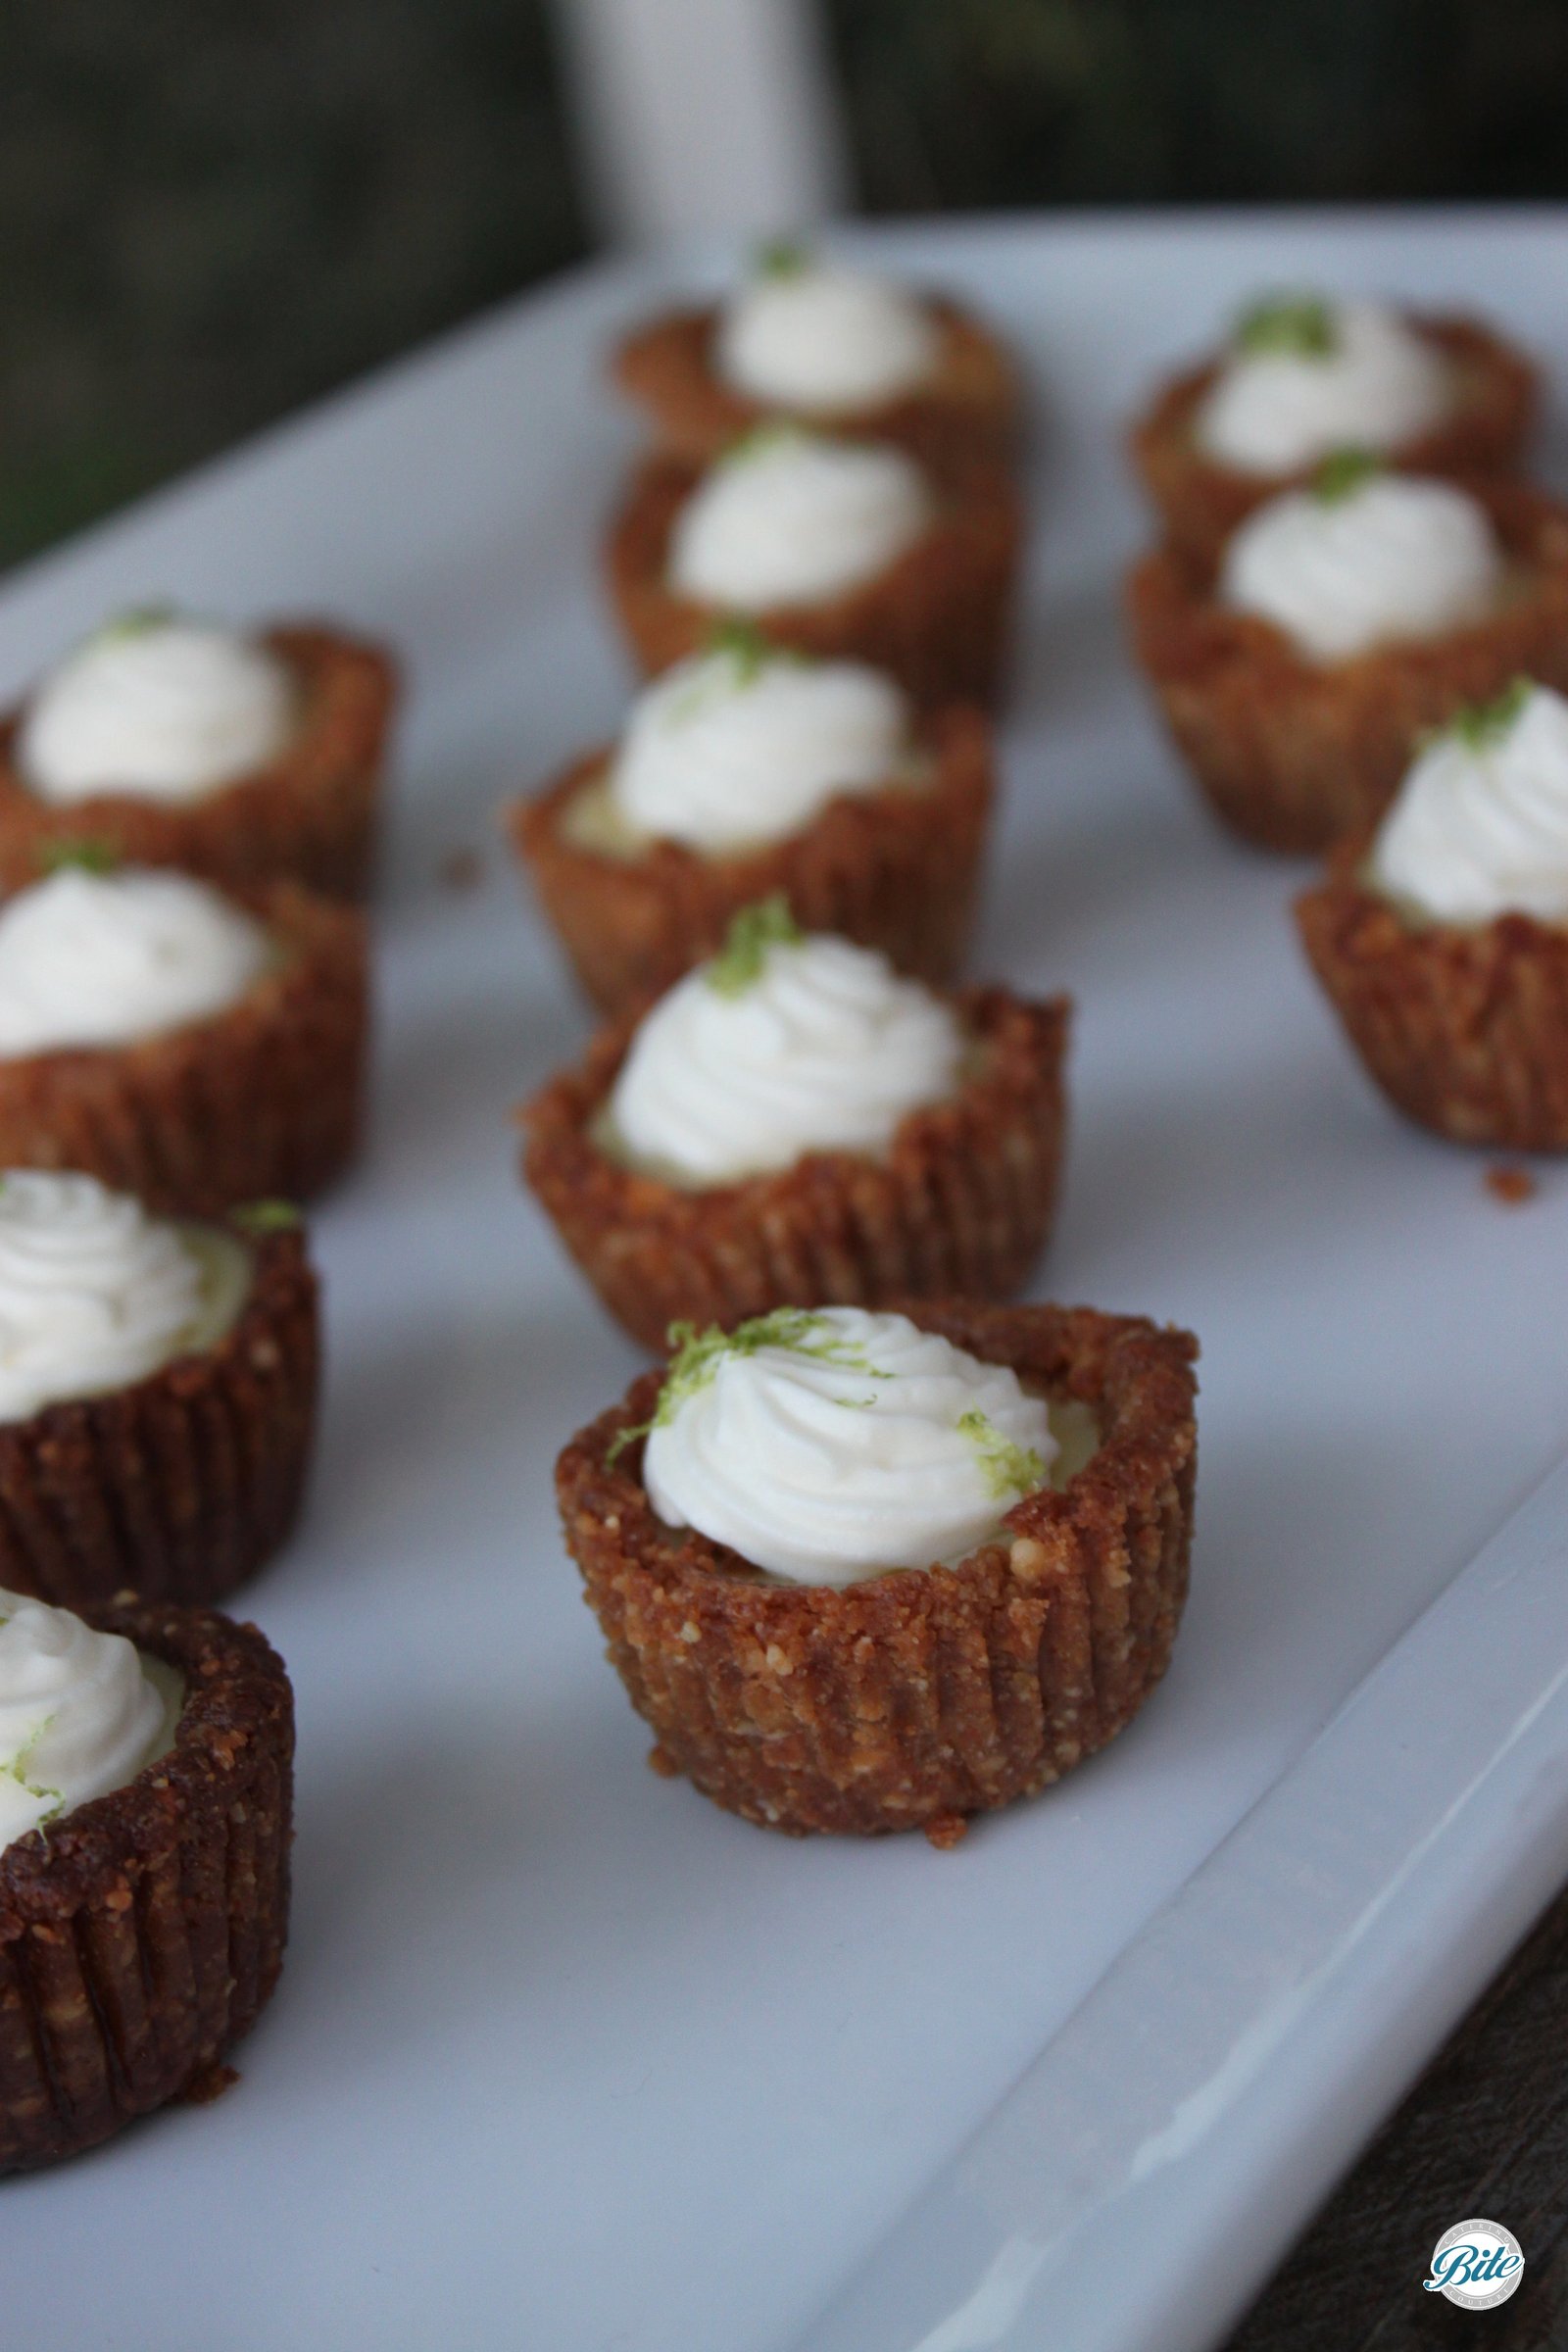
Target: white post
703,117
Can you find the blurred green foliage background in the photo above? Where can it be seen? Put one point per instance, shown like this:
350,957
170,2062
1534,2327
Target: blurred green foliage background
211,215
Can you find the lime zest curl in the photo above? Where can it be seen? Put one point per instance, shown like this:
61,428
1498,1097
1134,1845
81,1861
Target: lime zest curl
696,1356
1341,473
1482,726
752,934
1293,326
87,854
1008,1469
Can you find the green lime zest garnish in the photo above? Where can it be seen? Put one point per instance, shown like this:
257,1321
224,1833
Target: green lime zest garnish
1007,1469
1482,726
268,1216
89,854
1341,473
1298,325
696,1355
782,257
136,620
752,934
742,643
774,432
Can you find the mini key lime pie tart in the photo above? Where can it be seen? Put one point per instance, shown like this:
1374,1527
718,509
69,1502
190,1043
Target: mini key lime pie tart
1303,376
843,549
146,1809
196,1048
795,1123
174,741
1297,674
157,1385
867,1571
1441,938
805,338
745,771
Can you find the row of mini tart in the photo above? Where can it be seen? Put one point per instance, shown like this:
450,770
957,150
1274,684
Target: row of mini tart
870,1552
157,1385
1365,647
833,463
1367,588
164,740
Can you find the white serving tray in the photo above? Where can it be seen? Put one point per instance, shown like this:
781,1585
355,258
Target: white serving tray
566,2059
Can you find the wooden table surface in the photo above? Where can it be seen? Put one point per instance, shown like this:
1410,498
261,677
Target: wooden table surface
1483,2134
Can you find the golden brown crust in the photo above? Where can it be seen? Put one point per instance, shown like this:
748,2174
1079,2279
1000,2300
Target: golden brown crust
143,1935
1291,753
310,816
178,1488
960,1204
920,1698
1200,502
261,1101
938,618
973,400
897,871
1465,1030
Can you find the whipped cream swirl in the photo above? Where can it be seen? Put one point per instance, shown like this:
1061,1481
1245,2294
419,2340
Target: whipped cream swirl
1392,557
158,708
748,743
95,1295
105,959
829,1447
812,335
823,1049
790,517
1480,828
81,1714
1307,378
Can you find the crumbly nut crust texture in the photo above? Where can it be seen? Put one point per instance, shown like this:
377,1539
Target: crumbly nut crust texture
142,1936
178,1488
899,871
919,1698
938,618
973,403
309,817
1292,755
1199,502
960,1204
1464,1029
264,1102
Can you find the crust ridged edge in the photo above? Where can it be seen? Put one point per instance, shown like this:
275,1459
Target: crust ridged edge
1292,755
960,1202
177,1488
897,871
141,1937
264,1101
919,1698
938,620
1200,502
310,817
973,403
1465,1030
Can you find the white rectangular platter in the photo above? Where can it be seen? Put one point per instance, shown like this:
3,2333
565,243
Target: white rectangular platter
563,2058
